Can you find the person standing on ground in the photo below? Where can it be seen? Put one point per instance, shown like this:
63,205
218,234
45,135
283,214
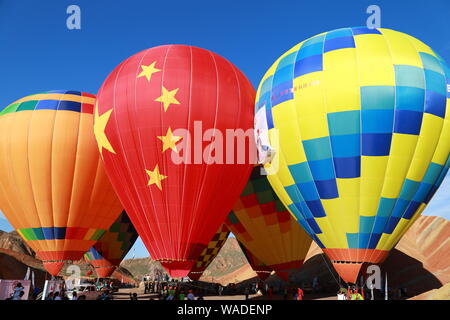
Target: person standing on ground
300,294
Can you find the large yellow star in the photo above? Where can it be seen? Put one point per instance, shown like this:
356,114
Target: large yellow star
100,123
168,97
169,140
147,71
155,177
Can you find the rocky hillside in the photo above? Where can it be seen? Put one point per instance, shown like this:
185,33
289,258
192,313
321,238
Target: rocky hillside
12,241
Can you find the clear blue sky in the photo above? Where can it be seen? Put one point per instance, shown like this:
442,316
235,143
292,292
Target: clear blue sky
39,53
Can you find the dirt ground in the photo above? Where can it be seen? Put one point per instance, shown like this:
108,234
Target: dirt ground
124,294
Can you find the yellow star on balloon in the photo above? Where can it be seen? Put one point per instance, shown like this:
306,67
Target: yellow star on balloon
168,97
155,177
148,71
100,123
169,140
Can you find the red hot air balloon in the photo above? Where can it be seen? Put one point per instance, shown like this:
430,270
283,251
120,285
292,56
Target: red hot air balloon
165,122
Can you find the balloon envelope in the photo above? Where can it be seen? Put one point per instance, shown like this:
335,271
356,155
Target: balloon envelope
259,267
175,181
266,228
209,253
358,120
113,246
53,188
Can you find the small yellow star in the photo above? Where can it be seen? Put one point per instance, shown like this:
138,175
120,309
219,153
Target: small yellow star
155,177
148,71
169,140
168,97
100,123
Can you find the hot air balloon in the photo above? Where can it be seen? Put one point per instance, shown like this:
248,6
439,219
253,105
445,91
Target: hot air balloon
209,253
161,119
357,120
53,188
259,267
113,246
266,228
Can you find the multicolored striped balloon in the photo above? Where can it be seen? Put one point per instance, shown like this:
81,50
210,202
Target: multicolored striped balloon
357,118
53,188
257,265
266,228
113,246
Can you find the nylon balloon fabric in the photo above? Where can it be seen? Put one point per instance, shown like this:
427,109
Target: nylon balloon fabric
209,253
259,267
53,188
359,120
266,228
113,246
161,119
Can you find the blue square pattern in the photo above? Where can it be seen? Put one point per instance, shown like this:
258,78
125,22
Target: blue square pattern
435,103
380,224
308,191
366,224
287,61
409,189
300,172
432,173
435,82
316,208
304,209
282,76
377,97
327,189
269,116
364,30
377,121
386,206
376,144
346,146
400,207
409,98
281,93
317,149
293,193
431,194
430,62
264,100
412,208
347,168
309,51
267,85
314,226
409,76
339,33
362,240
422,192
390,226
322,169
339,43
344,123
408,122
314,40
308,65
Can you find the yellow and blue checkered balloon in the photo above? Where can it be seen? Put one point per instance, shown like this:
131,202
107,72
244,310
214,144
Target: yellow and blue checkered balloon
357,118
